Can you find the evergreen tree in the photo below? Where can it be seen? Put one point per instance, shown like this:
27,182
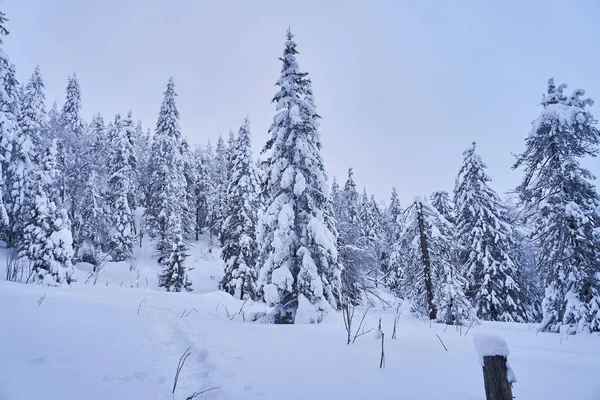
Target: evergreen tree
354,255
32,122
442,203
202,190
8,125
94,231
120,183
239,228
372,237
142,145
299,271
167,200
71,149
429,279
393,224
219,178
47,243
487,245
562,207
132,170
191,180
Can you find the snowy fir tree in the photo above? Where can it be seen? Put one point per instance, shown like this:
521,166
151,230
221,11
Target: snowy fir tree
8,127
487,245
191,180
239,228
142,145
72,146
428,278
355,256
219,187
167,202
373,239
299,271
129,152
203,190
443,204
47,245
32,124
94,230
562,207
120,187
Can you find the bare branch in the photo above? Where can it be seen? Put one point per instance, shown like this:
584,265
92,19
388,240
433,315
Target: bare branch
240,310
438,336
184,357
189,312
196,394
140,306
356,335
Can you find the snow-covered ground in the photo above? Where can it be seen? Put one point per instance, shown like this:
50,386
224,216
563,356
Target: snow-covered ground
122,339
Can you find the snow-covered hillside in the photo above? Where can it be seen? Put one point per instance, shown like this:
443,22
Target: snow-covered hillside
112,341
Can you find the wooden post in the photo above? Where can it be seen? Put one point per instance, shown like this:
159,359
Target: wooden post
495,378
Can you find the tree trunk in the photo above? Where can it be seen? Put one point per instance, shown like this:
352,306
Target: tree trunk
495,378
426,263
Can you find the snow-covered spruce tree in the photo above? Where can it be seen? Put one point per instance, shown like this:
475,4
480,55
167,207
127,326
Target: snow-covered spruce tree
372,238
32,123
34,118
219,187
191,180
202,190
429,279
120,184
94,231
71,157
562,207
53,123
487,245
100,143
526,256
167,199
239,228
129,130
354,255
8,126
443,204
47,241
142,145
394,224
299,271
231,144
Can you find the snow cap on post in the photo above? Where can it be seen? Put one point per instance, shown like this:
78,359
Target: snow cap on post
488,344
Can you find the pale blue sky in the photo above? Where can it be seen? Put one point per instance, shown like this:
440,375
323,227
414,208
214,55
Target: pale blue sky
403,86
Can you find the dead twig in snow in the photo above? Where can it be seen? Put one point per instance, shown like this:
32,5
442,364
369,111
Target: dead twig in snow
357,334
184,357
470,326
181,316
189,312
241,308
396,320
226,310
438,336
382,362
140,306
41,300
196,394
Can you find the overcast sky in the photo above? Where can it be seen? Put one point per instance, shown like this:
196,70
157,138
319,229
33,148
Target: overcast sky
403,86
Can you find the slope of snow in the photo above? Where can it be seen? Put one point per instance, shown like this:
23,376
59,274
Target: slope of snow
103,342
